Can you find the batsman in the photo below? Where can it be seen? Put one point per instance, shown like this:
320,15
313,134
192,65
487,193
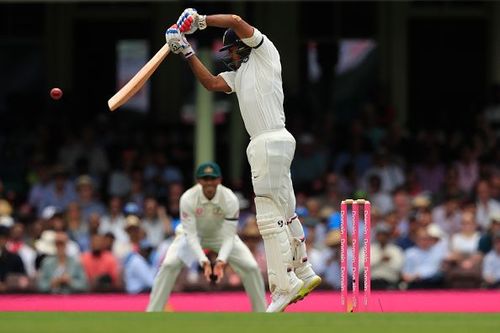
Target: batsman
209,216
255,76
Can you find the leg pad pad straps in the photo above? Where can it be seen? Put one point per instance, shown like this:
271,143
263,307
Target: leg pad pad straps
272,227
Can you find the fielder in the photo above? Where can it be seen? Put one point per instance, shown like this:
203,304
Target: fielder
255,77
209,215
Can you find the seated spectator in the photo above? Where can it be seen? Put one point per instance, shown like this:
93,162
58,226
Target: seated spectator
76,229
486,240
155,222
12,274
409,240
18,246
59,193
422,263
101,267
86,198
491,264
138,275
460,267
386,259
114,220
486,205
61,274
448,215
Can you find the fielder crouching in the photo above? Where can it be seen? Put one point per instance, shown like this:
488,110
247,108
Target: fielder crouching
209,215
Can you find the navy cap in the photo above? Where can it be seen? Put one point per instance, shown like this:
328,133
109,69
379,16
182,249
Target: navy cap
208,169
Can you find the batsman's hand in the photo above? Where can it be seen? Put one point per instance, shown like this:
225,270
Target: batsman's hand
190,21
219,269
177,42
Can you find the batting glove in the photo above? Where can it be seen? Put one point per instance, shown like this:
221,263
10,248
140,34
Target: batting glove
177,42
190,21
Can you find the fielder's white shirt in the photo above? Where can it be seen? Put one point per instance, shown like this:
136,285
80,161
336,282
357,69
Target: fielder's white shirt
258,85
209,223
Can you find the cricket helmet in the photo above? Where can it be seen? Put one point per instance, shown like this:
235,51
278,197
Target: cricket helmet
231,39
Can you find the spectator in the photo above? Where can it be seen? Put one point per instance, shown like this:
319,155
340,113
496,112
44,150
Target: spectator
86,199
61,274
485,244
138,274
12,274
155,222
422,263
448,215
17,245
60,192
461,268
77,230
409,240
386,259
491,265
402,209
486,205
450,187
114,220
101,267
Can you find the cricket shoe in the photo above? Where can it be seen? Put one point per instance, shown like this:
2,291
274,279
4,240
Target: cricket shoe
280,300
309,285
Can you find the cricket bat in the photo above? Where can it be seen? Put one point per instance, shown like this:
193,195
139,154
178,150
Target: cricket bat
139,79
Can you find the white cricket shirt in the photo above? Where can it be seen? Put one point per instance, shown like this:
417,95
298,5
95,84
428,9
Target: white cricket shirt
209,223
258,86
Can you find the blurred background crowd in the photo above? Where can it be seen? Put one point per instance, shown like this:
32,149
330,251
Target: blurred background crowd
100,214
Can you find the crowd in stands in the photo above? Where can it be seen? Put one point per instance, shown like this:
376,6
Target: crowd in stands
97,215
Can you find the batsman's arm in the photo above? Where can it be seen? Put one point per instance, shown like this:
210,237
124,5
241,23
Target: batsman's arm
240,26
207,79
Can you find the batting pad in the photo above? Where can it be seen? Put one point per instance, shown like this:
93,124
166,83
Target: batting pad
272,227
302,267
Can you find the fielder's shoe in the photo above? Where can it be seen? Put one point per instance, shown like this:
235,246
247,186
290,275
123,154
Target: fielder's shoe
309,285
280,300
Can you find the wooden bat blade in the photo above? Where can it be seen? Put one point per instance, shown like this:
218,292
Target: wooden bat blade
139,79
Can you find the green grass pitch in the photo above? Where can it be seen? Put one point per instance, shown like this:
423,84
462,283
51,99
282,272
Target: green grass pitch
120,322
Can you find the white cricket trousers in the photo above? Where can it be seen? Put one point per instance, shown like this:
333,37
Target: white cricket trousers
270,156
240,259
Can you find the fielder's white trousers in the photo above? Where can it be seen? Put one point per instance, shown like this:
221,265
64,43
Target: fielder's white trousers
270,156
240,259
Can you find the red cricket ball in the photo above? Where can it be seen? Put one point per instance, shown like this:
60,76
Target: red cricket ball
56,93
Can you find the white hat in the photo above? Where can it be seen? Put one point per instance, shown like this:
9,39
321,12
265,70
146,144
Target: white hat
435,231
47,243
6,221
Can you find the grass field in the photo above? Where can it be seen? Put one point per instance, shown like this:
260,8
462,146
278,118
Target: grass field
120,322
